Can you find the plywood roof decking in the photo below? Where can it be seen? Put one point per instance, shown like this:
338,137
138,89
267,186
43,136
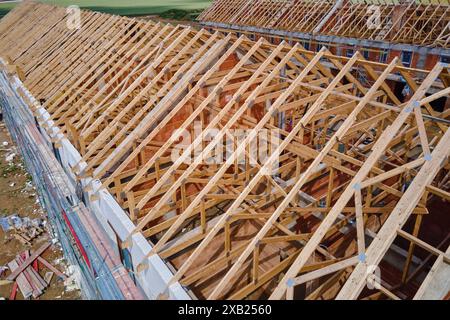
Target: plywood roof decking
413,22
120,87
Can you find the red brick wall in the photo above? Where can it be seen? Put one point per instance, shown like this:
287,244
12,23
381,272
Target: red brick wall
431,61
393,54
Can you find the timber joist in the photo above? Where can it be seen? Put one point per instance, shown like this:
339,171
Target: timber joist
309,162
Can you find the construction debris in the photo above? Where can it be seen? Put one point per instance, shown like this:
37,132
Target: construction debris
25,272
24,225
10,157
3,270
48,277
25,230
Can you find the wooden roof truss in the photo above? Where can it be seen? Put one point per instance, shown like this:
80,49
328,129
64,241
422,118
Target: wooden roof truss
122,90
420,23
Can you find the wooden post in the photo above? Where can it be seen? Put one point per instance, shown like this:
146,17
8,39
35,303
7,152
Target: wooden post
203,217
415,233
255,264
330,188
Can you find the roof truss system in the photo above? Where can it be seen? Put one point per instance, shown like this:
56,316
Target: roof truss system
355,162
423,23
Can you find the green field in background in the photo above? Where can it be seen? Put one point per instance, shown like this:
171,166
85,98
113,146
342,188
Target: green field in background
179,8
130,7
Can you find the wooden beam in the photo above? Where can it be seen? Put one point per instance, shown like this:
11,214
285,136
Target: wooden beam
28,261
379,147
398,217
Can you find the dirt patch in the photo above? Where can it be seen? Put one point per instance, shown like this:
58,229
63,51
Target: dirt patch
18,197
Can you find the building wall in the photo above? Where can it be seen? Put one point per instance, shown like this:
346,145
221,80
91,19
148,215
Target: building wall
112,220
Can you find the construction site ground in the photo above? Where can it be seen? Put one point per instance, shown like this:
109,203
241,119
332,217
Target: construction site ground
18,197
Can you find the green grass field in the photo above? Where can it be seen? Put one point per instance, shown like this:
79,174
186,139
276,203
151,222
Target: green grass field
178,8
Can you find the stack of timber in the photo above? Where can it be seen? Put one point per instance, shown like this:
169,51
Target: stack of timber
25,273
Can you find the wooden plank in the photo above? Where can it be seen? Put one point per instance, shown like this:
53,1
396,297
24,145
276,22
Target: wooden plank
423,245
392,173
360,233
436,284
24,286
52,268
28,261
409,257
439,192
388,293
326,271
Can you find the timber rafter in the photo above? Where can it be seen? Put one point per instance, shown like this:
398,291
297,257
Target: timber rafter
355,160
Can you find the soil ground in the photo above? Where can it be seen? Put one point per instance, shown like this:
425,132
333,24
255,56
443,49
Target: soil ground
18,196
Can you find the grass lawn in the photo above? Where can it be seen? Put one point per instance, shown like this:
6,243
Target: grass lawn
130,7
